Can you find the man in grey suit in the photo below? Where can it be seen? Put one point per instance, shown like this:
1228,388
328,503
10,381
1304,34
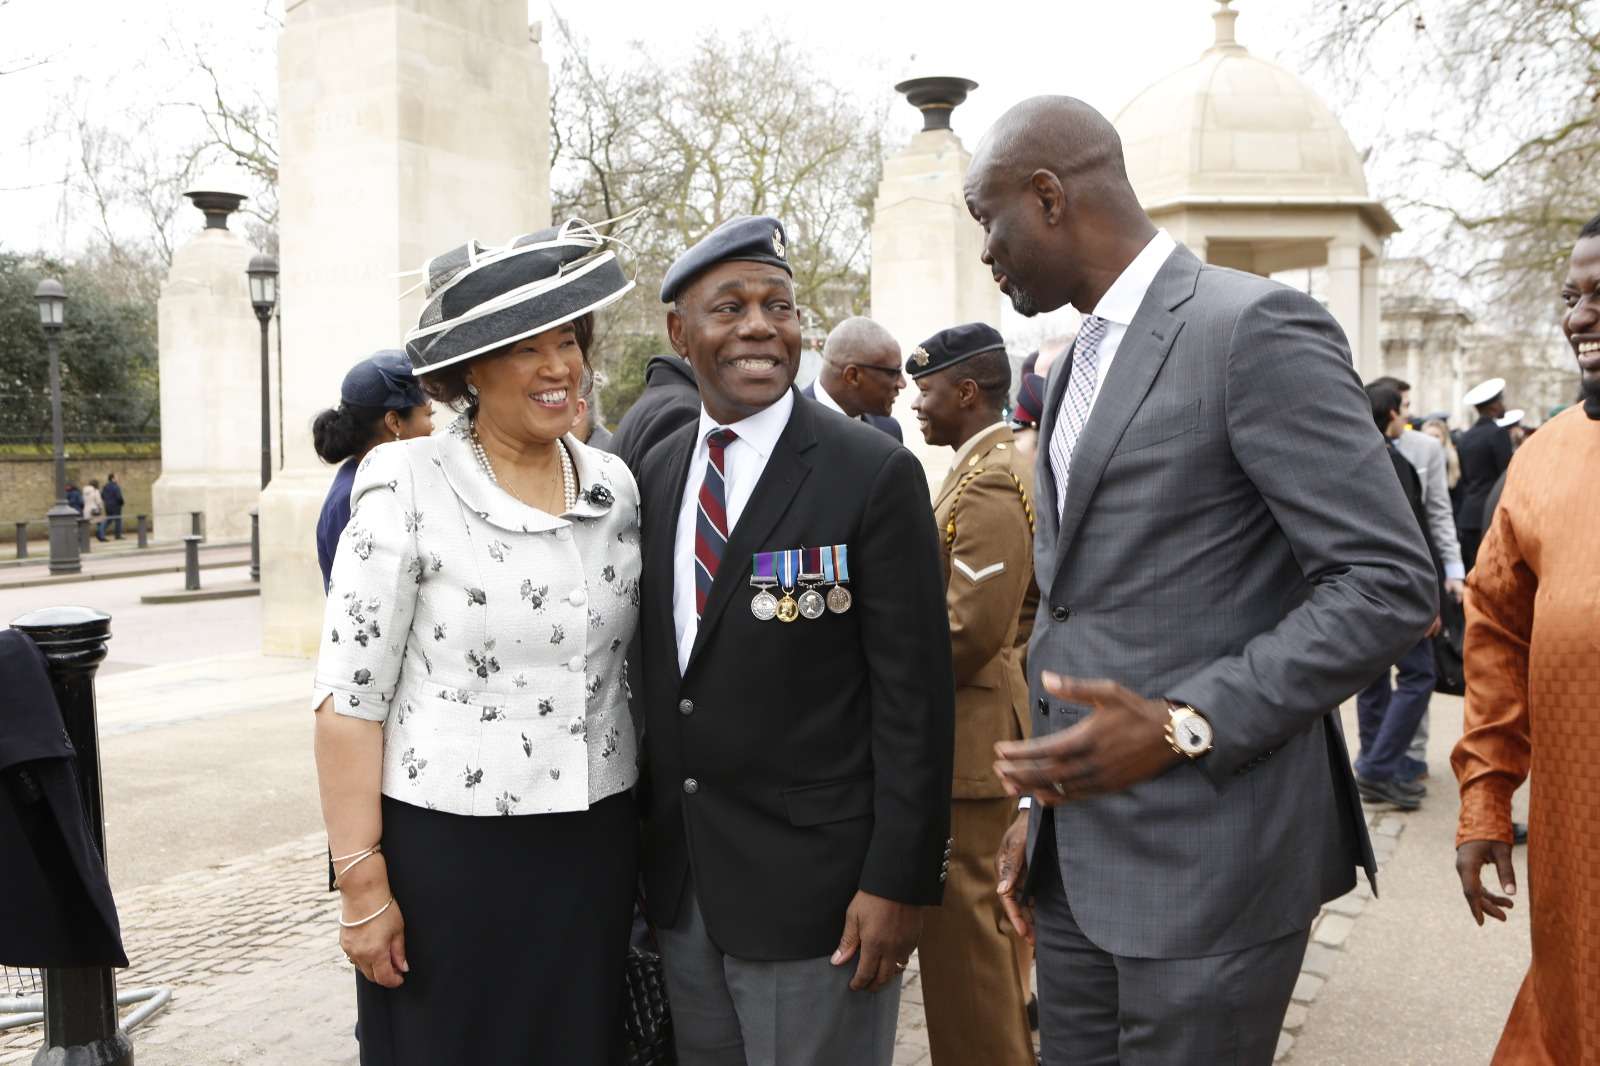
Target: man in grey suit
1218,544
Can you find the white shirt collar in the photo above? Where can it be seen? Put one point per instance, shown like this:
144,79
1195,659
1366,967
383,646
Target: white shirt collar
973,441
761,430
1121,302
825,398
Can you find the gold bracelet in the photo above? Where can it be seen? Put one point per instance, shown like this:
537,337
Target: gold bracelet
375,914
341,858
359,859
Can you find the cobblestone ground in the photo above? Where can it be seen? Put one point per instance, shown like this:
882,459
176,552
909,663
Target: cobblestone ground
249,949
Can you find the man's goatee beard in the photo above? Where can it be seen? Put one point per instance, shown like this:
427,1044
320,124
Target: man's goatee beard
1025,305
1591,397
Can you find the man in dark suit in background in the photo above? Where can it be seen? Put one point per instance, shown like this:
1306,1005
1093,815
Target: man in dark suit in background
670,400
860,375
798,689
1485,452
1214,543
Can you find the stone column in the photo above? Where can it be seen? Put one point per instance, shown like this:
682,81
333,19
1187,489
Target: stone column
208,341
1369,356
408,126
1344,294
926,271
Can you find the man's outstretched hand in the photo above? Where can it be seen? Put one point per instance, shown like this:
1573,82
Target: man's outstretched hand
1122,742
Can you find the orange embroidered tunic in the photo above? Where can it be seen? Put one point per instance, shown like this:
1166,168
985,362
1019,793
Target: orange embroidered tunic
1533,702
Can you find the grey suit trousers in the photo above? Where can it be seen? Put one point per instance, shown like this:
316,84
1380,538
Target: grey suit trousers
1099,1009
741,1012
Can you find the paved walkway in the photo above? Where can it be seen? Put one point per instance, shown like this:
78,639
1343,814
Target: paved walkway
216,854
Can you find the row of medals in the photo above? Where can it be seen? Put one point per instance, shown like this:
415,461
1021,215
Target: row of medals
810,604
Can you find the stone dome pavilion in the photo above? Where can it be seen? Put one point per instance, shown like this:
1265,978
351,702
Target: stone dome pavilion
1242,162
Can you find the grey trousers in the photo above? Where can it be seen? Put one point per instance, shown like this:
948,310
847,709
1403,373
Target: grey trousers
736,1012
1098,1009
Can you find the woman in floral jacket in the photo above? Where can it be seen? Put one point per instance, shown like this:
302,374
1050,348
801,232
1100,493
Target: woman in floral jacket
473,741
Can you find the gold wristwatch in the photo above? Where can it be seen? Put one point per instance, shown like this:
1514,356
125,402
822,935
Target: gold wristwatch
1188,732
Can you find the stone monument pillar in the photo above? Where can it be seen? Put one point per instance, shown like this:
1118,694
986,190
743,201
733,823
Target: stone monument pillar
209,344
926,273
408,126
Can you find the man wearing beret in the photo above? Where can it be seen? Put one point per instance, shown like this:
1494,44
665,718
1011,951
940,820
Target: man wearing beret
971,967
798,694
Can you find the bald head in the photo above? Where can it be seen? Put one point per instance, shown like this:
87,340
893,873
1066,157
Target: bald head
855,336
861,367
1050,188
1065,136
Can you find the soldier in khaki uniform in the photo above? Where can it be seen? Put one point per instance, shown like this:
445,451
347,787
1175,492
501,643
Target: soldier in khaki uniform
972,990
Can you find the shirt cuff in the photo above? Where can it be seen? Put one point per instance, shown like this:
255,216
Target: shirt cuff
1485,812
1455,572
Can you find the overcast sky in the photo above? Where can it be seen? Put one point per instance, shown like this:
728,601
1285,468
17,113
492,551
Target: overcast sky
112,58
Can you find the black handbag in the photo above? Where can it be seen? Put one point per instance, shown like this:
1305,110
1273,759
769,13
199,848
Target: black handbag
1449,673
646,1017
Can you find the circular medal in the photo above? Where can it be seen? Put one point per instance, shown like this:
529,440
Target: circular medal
839,599
764,606
788,610
812,605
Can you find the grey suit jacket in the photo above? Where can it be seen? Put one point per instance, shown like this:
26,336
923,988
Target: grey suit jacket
1233,537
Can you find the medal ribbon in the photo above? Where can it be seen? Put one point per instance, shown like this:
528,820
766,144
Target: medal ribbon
827,565
811,564
762,568
841,563
788,563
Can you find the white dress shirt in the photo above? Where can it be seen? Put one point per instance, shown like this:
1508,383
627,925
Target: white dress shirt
826,399
743,462
1121,302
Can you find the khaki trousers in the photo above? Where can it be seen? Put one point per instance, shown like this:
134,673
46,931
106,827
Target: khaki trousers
972,994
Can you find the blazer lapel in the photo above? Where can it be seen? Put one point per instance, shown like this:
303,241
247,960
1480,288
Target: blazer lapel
785,472
1046,490
661,537
1139,359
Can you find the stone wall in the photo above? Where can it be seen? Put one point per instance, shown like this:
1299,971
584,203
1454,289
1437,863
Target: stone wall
27,486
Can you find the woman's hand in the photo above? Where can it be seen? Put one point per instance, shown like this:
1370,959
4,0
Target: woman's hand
377,948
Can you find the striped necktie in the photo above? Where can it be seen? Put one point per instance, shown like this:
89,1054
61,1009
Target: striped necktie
1076,404
711,524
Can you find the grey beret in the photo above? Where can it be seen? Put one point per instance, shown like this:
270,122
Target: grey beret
748,238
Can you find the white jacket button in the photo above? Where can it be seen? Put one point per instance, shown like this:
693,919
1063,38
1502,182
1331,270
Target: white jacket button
575,664
576,597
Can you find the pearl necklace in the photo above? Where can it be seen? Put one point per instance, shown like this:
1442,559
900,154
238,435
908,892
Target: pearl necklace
569,476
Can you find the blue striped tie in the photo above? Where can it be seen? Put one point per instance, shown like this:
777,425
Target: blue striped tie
711,523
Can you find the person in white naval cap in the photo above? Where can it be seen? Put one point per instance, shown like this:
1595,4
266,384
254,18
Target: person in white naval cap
1485,452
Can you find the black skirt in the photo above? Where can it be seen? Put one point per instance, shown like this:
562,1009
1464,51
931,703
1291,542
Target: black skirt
515,931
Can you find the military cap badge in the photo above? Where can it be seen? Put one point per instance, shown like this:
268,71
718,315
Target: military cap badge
920,356
777,243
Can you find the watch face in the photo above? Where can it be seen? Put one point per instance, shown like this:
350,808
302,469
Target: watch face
1193,733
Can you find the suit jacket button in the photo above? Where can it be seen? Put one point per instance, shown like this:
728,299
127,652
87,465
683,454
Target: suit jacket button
686,707
690,786
1060,613
1043,705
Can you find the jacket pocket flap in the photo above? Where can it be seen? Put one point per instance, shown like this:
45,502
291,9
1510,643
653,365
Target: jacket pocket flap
832,801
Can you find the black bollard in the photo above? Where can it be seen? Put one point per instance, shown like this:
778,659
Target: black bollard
80,1003
197,524
144,531
191,563
255,544
22,540
83,536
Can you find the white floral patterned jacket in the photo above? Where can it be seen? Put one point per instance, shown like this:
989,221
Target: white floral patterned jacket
487,636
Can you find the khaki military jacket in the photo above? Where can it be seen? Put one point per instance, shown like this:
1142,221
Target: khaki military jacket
985,514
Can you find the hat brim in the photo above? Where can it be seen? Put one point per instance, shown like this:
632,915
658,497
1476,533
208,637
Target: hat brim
584,291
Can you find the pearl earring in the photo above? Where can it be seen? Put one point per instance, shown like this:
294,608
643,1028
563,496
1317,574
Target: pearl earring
472,390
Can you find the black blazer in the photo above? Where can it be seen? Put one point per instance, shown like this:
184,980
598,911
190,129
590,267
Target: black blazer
886,423
819,750
58,909
1485,452
671,398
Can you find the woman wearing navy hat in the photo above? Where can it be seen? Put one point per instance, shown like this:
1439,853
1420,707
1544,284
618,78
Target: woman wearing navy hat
474,749
379,401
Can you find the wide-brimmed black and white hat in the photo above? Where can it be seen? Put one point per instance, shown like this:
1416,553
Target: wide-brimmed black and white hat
481,298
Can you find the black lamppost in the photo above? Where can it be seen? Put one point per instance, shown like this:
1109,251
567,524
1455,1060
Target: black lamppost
63,518
263,272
